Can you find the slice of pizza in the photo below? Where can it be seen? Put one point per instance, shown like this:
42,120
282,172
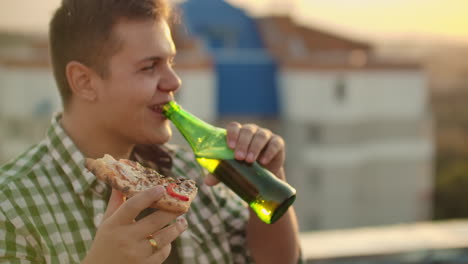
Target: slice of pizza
130,178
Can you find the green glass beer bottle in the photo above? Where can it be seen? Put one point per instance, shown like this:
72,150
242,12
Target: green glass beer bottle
267,195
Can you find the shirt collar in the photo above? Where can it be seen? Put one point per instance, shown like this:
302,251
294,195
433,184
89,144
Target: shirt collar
68,157
71,160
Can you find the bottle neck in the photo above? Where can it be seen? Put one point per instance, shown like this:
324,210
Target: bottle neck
200,135
185,122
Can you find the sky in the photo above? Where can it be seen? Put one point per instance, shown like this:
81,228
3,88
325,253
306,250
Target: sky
372,20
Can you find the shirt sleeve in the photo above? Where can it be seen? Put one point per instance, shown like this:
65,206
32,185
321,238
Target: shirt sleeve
14,247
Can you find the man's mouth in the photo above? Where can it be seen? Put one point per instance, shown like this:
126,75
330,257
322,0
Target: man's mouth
157,108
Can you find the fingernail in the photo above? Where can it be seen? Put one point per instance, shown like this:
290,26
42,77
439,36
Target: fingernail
159,189
182,222
240,154
250,157
232,144
264,161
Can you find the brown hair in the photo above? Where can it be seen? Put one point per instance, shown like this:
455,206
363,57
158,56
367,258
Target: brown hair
81,30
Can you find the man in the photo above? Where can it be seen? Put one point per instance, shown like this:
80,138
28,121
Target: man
112,60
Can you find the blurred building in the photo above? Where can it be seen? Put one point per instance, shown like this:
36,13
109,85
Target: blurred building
416,243
27,92
358,129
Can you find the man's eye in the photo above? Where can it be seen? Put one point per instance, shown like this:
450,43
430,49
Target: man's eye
148,68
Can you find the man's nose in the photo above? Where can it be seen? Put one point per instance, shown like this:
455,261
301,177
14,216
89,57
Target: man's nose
170,81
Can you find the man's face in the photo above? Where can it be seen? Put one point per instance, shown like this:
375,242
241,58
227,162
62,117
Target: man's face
140,81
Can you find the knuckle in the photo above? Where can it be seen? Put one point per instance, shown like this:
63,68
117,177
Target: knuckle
251,126
263,134
267,131
248,129
234,125
277,141
171,233
275,146
180,227
167,235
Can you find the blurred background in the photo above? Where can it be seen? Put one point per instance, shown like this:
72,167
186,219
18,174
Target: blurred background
370,95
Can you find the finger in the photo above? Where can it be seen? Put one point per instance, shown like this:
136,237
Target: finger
132,207
211,180
274,147
153,222
160,255
259,141
232,134
246,134
115,201
276,166
168,234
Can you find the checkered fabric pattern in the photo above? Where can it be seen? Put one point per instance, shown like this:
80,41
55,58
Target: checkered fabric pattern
51,206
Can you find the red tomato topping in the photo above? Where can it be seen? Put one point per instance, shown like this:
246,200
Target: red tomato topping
171,192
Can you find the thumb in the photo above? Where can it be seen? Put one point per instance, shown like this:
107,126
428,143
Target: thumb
115,201
211,180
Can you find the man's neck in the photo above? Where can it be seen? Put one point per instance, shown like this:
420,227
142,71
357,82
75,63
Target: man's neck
91,139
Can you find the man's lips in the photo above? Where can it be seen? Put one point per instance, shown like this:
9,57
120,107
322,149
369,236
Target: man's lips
157,108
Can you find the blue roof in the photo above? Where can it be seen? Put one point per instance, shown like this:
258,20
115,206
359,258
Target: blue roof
246,74
221,25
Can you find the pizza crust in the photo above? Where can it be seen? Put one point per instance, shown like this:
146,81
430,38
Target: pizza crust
130,178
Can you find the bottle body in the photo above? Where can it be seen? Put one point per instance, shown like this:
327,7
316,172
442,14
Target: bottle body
268,196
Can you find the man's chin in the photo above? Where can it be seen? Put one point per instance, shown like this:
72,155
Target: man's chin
161,138
155,135
165,139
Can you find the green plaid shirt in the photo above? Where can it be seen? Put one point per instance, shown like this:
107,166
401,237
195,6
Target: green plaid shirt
51,206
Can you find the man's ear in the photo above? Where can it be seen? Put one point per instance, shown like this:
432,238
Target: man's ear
79,78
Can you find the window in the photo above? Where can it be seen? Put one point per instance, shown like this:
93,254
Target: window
315,179
314,133
340,89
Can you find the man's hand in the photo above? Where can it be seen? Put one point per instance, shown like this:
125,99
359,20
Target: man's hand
253,143
119,239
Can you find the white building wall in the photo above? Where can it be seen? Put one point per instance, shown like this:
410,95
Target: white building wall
371,161
28,97
26,91
198,93
310,96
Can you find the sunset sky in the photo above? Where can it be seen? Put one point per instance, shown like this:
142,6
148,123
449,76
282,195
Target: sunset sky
366,19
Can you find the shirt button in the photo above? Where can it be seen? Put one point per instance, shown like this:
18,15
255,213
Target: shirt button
99,188
98,219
